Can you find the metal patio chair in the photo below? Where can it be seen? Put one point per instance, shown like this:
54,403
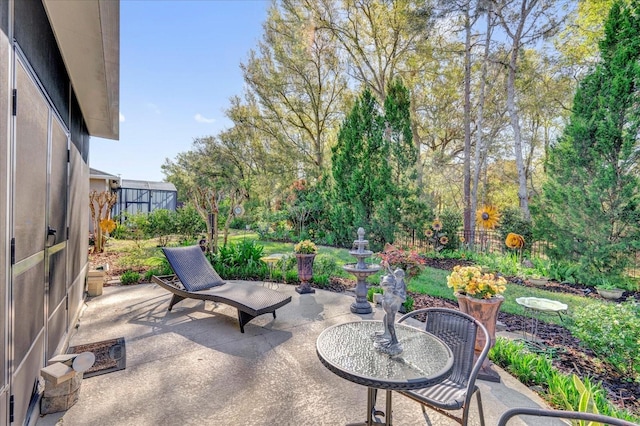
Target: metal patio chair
458,330
569,415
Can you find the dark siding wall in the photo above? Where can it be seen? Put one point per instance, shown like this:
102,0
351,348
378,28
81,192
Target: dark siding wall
35,37
79,132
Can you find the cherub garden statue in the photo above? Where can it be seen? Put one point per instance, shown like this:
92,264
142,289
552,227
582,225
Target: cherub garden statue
394,294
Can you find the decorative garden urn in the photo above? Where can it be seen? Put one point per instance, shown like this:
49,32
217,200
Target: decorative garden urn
305,272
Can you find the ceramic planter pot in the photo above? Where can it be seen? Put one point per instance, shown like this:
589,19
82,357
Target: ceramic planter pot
610,293
486,312
538,281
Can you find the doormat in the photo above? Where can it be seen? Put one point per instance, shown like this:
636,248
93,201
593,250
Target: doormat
110,356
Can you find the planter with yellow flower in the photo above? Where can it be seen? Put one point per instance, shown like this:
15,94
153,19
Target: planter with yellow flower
305,252
479,295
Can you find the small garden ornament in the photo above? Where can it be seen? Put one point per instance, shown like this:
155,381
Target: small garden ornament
395,292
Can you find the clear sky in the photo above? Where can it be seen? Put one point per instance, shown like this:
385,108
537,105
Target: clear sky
179,65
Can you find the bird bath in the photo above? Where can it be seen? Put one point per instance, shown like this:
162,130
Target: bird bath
361,270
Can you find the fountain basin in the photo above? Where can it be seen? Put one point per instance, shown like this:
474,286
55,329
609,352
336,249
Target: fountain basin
353,268
363,253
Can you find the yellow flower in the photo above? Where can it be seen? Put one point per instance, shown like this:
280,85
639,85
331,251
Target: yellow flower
429,233
444,241
436,225
488,217
514,241
471,281
305,247
107,225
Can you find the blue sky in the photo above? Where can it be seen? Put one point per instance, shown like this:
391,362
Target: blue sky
179,65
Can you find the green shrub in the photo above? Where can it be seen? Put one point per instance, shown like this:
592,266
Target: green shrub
291,276
130,277
120,233
240,261
189,223
321,280
612,331
373,290
451,224
408,304
511,220
326,265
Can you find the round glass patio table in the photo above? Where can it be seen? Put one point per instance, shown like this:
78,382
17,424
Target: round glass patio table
347,350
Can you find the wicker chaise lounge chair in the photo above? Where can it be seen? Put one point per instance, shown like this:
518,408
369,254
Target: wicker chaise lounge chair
195,278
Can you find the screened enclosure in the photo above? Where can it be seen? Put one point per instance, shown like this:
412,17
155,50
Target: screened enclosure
136,196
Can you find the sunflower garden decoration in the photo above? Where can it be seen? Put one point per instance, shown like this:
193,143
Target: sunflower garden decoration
487,218
515,242
479,295
436,237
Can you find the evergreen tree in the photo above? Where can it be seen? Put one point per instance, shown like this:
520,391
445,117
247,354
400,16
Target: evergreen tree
589,210
371,166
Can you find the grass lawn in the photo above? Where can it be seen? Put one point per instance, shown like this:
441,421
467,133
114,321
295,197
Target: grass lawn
146,253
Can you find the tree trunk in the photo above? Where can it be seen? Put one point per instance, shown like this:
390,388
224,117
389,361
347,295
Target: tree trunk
514,118
467,120
480,146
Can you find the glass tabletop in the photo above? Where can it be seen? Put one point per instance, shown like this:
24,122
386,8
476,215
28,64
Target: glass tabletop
347,350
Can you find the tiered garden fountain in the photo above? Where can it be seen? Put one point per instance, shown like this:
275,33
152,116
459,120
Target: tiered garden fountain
361,270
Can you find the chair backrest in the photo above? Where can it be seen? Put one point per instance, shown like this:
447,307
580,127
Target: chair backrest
192,268
569,415
458,330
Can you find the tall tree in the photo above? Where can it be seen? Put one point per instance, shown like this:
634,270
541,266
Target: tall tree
372,162
297,78
590,206
376,36
523,21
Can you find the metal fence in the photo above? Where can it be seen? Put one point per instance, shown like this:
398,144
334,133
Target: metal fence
489,242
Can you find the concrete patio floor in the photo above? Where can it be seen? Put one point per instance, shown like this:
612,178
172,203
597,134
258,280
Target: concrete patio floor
192,366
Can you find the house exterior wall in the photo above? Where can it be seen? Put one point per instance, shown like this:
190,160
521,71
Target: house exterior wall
44,182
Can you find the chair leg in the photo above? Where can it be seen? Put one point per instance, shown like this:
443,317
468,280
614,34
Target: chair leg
480,409
243,318
175,299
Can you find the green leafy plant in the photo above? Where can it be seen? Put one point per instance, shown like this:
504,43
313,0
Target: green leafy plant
408,304
130,277
612,331
240,261
559,389
321,280
373,290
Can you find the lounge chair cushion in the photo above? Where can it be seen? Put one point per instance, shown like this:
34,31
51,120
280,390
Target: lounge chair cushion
202,276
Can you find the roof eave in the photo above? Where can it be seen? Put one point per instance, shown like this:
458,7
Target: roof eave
88,34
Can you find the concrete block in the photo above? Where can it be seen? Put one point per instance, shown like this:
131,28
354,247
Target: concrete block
57,373
52,390
55,404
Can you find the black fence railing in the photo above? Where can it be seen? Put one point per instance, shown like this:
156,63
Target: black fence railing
488,242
